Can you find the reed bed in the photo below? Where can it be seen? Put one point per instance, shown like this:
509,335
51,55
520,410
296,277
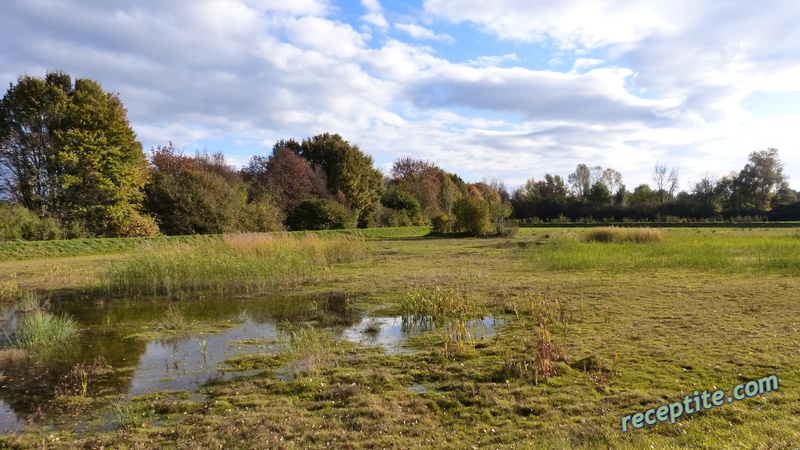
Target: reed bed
234,264
618,235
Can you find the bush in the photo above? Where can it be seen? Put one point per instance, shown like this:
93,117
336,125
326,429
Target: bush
473,216
321,214
441,224
614,234
18,223
262,216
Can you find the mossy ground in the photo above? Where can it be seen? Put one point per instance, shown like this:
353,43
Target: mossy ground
640,331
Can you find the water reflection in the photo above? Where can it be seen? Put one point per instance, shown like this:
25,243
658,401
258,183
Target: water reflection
180,363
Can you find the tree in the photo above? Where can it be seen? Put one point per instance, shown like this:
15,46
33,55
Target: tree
583,178
666,184
612,179
706,195
67,151
472,215
321,214
423,180
599,194
642,195
188,198
762,176
291,178
350,172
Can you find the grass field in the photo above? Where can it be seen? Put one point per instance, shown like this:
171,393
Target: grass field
593,332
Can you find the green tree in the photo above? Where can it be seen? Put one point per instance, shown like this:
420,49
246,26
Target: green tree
472,216
350,172
642,195
762,176
67,151
599,194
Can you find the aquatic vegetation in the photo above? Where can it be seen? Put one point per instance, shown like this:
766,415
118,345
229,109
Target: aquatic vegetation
28,301
306,348
9,288
246,263
43,330
174,320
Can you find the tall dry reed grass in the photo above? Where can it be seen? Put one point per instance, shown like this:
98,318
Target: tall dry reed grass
234,264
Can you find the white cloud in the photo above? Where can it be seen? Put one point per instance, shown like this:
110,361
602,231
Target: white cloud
418,32
374,14
582,64
654,80
492,61
572,23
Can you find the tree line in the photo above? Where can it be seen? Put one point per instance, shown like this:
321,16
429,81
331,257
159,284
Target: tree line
70,166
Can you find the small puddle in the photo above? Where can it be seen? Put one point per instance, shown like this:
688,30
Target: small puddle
389,332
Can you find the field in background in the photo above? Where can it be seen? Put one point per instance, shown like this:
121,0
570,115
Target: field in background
593,331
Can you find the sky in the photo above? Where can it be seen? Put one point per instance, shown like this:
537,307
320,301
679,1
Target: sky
508,89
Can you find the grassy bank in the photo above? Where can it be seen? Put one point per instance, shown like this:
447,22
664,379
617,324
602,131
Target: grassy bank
29,250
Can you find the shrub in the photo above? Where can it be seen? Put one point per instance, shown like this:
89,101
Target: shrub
19,223
473,216
614,234
321,214
441,224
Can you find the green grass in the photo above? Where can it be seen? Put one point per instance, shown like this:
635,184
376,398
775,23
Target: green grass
43,330
249,263
28,250
593,332
308,350
773,251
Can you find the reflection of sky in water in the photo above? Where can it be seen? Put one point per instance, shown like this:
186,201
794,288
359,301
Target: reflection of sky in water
179,364
9,419
393,330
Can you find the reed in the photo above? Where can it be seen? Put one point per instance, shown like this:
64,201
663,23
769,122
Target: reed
174,320
614,234
43,330
308,349
234,264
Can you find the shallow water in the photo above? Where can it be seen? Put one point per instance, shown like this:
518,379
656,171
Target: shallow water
186,362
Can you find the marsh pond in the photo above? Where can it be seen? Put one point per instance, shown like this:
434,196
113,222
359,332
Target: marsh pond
129,348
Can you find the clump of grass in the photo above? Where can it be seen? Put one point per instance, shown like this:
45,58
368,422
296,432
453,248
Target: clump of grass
174,320
9,288
373,327
77,381
43,330
458,338
29,301
308,349
245,263
618,235
439,303
128,416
